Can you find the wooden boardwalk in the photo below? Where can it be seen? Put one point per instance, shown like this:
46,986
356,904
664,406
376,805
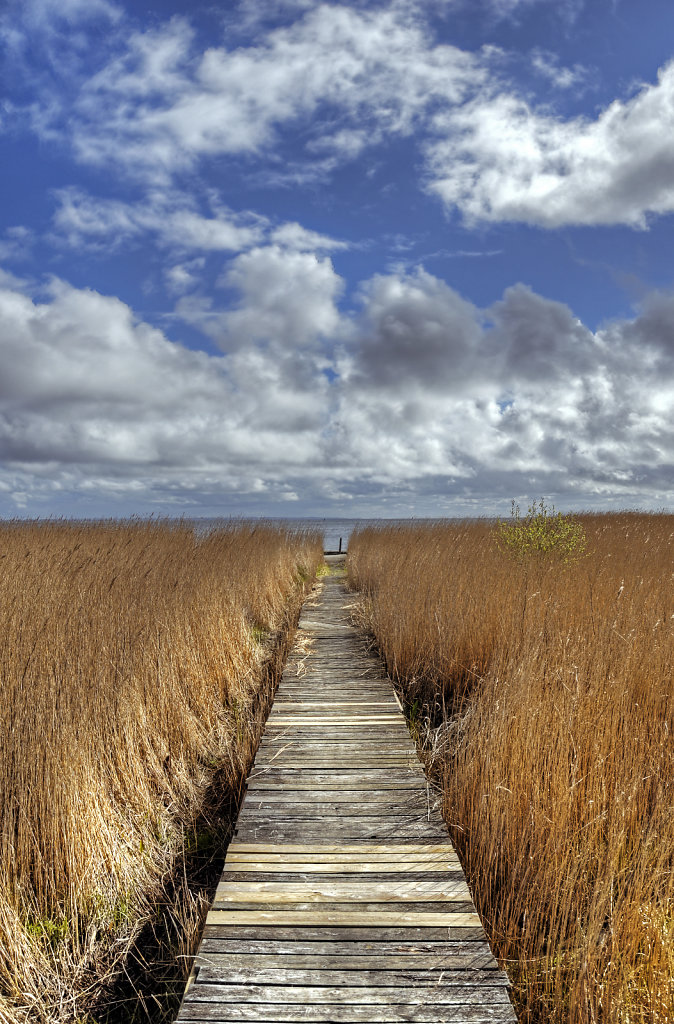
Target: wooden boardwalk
342,898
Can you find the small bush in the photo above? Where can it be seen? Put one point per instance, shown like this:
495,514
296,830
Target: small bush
543,533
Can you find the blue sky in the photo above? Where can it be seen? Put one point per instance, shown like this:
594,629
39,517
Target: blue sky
278,257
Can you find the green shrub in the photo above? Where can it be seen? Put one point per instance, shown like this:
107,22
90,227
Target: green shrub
543,533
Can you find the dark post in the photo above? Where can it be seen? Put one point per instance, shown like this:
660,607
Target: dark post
340,545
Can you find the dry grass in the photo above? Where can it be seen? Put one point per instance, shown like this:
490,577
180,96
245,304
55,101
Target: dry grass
550,700
131,658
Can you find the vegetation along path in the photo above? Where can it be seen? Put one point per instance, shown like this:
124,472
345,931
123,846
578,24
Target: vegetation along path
342,898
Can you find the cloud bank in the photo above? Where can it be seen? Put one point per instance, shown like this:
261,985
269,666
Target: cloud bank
416,398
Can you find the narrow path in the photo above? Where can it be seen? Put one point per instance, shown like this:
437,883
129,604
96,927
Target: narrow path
342,898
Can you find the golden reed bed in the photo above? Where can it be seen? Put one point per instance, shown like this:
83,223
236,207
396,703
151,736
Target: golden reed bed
131,658
547,695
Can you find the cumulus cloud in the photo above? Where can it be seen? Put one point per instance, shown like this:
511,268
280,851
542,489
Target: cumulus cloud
519,398
286,299
89,394
431,401
537,339
416,336
501,160
161,105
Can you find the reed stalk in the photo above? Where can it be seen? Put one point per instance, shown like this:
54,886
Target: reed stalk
548,695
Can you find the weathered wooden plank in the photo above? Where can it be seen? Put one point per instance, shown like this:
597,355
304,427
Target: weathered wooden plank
345,849
328,826
337,728
372,830
317,853
393,918
345,797
283,794
310,743
350,717
337,891
275,789
305,995
344,687
358,819
212,970
287,762
327,705
363,805
477,1013
289,759
266,780
308,779
368,861
404,964
297,907
328,812
332,747
336,717
336,733
363,933
278,874
451,952
335,750
370,808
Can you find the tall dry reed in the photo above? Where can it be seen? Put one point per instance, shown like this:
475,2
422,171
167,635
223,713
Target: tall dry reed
549,692
130,662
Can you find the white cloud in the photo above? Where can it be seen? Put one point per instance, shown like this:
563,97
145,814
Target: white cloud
435,402
417,336
344,79
521,398
83,219
57,32
500,160
16,244
287,299
547,65
160,106
183,277
566,9
44,16
71,10
294,236
90,394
